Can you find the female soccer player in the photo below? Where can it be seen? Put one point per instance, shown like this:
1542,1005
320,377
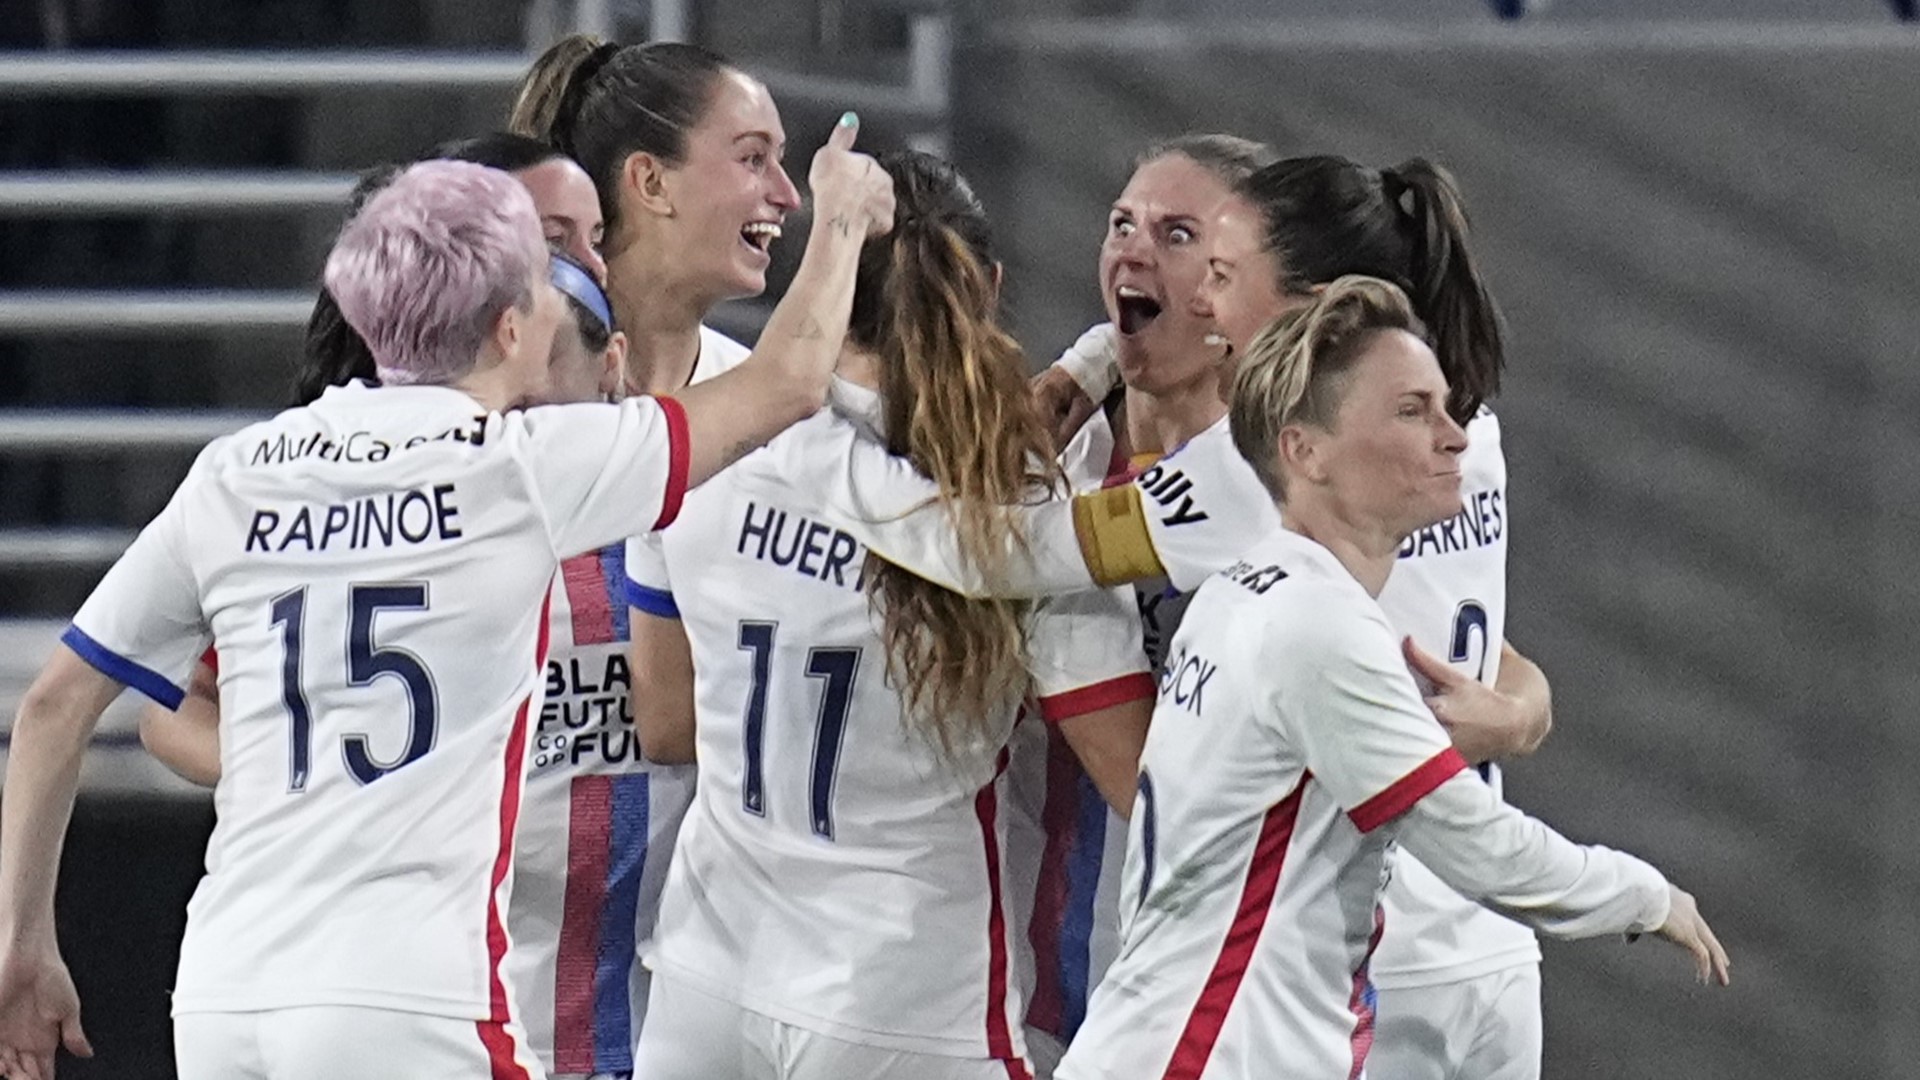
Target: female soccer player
685,150
837,904
333,354
1291,746
1459,985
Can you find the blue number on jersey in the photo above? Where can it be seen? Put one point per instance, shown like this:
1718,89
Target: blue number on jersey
1470,616
365,663
289,613
837,668
1144,806
756,638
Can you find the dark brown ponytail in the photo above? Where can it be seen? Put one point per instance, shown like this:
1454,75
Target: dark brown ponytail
1327,217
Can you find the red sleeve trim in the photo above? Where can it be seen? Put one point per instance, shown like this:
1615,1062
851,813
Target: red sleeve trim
1056,708
1409,789
679,460
211,658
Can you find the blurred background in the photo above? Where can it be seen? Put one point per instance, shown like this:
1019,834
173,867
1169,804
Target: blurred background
1701,217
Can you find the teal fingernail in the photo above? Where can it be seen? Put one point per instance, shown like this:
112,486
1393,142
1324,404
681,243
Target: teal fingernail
849,118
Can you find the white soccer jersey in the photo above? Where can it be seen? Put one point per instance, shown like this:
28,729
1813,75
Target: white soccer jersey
835,873
1288,742
373,570
597,824
1449,593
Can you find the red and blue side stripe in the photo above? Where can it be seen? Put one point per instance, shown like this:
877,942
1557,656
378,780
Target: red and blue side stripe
1075,820
606,856
596,595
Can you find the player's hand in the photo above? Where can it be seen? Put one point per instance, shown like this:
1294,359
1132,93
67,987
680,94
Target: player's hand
39,1012
1483,723
851,192
1063,407
1685,928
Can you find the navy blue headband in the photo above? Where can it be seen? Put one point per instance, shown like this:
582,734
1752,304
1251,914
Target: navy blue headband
579,284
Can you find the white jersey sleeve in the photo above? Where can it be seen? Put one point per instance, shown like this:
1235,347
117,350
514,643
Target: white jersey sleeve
886,504
648,586
143,624
1204,507
1356,715
1092,363
1085,654
1487,849
604,472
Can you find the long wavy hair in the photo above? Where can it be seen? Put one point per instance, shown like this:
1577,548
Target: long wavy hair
954,388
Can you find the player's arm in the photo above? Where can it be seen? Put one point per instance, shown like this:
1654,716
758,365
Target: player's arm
662,661
1072,543
1092,683
1370,739
141,627
1071,388
187,740
1487,850
39,1009
1506,720
785,379
1522,681
661,655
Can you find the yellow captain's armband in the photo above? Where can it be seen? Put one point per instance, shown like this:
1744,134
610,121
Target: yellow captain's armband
1112,527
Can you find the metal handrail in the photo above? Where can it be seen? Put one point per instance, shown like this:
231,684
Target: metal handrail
112,72
108,72
104,430
40,311
92,191
77,546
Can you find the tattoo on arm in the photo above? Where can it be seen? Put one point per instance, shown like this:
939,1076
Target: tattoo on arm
840,224
810,330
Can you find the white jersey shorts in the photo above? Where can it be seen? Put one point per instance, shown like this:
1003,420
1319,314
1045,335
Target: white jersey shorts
347,1042
1486,1028
692,1035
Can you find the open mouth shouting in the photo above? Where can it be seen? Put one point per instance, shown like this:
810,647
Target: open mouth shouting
760,235
1135,308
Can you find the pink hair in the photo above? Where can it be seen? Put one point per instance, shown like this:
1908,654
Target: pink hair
426,268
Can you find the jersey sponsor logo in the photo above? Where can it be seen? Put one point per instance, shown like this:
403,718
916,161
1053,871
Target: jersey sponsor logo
1171,489
587,718
1185,679
1257,578
398,517
1482,521
359,447
811,548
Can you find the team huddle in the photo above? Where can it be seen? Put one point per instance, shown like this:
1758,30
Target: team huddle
584,694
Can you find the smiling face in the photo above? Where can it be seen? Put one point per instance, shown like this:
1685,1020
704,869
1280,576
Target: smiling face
1241,289
1390,456
569,210
731,193
1151,266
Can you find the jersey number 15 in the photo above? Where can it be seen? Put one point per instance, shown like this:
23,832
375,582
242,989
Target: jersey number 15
365,663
